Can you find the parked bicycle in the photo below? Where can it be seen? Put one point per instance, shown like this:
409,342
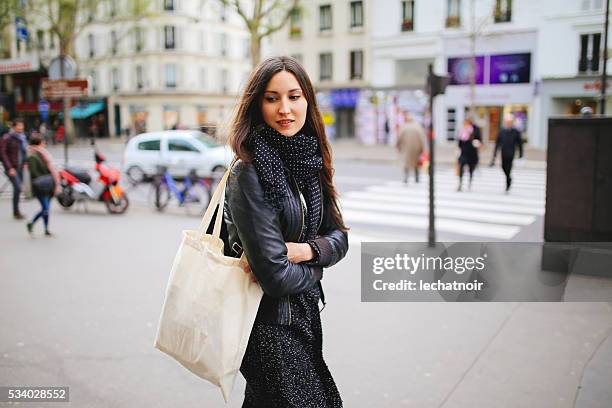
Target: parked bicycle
193,193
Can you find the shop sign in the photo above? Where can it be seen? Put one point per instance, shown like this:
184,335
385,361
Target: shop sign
16,65
70,88
459,70
594,85
344,98
510,69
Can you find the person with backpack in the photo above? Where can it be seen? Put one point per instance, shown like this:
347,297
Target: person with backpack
44,178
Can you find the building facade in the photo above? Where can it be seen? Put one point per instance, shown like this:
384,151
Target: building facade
531,58
181,66
331,39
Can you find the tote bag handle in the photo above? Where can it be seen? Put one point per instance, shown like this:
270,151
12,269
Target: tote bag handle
217,200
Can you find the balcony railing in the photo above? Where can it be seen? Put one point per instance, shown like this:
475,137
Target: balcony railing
295,32
407,25
503,17
453,21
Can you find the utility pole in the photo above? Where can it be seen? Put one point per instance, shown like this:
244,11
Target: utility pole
604,74
435,86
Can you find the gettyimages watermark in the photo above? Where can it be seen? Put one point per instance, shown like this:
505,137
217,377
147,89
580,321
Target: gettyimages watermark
486,272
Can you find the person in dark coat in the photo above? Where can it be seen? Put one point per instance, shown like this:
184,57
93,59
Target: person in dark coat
281,210
40,164
508,141
469,142
13,152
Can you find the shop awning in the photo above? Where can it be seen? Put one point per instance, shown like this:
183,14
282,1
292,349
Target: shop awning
82,112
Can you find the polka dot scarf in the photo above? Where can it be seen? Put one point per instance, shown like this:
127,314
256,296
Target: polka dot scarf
276,158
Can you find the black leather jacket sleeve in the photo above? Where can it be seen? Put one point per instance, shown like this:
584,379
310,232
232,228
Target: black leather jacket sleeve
258,227
331,241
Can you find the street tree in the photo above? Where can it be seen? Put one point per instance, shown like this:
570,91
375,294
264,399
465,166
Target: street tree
66,20
8,10
264,18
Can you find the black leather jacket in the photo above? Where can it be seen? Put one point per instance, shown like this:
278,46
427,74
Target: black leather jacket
262,232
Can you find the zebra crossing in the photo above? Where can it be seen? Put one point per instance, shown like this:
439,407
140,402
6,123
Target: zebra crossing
389,210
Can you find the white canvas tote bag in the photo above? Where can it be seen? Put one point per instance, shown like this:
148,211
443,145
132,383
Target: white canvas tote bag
210,304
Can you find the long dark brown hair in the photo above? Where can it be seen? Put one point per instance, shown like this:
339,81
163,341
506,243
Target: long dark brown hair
249,115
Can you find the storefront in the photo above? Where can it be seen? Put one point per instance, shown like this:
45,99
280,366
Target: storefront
19,89
90,116
135,114
502,82
372,116
567,96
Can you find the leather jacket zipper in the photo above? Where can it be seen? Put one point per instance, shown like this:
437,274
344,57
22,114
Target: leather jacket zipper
322,206
302,209
289,306
302,206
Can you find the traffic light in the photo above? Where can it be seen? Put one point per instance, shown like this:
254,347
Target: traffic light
436,84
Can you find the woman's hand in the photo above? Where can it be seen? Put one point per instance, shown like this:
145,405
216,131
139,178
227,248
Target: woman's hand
299,252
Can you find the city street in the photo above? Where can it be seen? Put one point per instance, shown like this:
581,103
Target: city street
81,308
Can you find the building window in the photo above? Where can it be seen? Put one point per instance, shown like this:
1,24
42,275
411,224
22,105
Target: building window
202,78
224,81
94,81
408,15
92,45
170,76
223,44
138,39
503,11
325,66
450,123
51,39
453,13
357,64
356,14
298,57
590,45
247,48
112,8
223,12
139,77
295,24
113,42
592,5
115,79
325,18
169,37
168,5
202,41
40,39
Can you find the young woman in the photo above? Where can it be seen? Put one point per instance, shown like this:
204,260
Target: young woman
469,143
281,211
44,177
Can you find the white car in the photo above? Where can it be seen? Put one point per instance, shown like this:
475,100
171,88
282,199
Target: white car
181,151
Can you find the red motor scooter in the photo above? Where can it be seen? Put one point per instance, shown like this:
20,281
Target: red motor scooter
76,186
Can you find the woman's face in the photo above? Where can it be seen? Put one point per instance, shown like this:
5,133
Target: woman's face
284,105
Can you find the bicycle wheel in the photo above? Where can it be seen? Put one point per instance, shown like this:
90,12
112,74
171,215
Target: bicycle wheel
161,196
196,199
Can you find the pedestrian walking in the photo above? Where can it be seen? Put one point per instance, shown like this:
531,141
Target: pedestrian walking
410,145
13,152
508,141
44,179
44,132
470,140
282,211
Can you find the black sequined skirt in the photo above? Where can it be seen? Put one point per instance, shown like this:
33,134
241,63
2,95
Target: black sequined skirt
284,366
